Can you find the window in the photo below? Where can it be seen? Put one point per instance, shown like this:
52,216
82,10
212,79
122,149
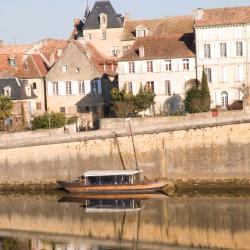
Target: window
68,88
150,86
77,70
208,74
131,67
168,87
115,50
104,35
62,110
7,91
130,87
207,51
94,87
55,88
239,49
223,49
224,99
185,64
64,68
81,87
12,61
34,85
149,66
168,65
140,32
38,106
89,36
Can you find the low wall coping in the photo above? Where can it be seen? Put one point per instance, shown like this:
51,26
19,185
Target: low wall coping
106,134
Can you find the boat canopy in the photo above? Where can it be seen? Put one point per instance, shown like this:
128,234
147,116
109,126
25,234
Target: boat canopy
111,173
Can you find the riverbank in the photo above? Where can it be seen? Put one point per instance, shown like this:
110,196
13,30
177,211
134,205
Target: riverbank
199,151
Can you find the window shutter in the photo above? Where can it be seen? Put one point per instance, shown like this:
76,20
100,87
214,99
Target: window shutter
61,88
134,90
99,86
241,73
201,51
50,88
225,78
75,89
217,50
87,87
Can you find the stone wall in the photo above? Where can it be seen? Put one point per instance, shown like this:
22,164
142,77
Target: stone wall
190,150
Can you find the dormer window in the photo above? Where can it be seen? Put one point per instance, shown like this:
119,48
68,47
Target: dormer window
141,52
103,20
141,31
12,61
7,91
26,67
64,68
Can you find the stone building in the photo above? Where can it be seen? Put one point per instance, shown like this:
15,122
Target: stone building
162,64
102,27
162,60
31,63
24,98
223,49
80,82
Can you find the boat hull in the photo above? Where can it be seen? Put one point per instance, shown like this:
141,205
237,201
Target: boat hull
79,187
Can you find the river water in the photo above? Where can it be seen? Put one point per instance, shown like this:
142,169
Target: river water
180,221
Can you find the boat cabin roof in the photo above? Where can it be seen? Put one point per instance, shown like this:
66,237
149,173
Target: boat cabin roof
110,173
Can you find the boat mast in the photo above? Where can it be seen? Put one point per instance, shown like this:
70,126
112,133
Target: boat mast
132,138
119,150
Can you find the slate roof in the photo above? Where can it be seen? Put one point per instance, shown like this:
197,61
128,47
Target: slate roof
160,27
223,16
93,22
162,47
17,86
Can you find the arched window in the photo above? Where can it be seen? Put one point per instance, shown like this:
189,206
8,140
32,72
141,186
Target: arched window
224,99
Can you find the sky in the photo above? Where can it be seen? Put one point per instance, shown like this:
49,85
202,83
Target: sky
27,21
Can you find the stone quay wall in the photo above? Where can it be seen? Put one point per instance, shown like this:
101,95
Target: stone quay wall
207,149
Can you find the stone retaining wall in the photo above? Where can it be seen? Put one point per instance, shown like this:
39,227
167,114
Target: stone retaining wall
208,150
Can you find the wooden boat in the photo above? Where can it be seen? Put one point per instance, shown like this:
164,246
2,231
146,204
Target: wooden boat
81,197
123,181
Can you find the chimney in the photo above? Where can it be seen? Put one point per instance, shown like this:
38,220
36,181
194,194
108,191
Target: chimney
198,14
1,42
141,52
127,16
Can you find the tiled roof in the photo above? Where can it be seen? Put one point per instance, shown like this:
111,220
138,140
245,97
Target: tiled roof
162,47
223,16
14,49
93,22
98,59
160,27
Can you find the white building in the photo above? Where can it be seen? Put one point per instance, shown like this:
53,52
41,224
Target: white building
223,48
162,64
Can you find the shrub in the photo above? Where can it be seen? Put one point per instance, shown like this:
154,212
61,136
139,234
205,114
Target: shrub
236,105
71,120
46,121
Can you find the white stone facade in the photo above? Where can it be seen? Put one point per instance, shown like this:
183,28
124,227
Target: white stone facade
168,82
224,51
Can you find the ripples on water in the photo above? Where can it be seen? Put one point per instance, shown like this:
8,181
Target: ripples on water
184,221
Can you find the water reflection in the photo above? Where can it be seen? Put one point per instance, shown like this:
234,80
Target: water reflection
40,222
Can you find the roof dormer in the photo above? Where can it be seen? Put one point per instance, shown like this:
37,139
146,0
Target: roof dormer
141,31
103,20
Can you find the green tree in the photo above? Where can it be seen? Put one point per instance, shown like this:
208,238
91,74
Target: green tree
6,106
193,100
205,94
197,97
144,100
125,104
